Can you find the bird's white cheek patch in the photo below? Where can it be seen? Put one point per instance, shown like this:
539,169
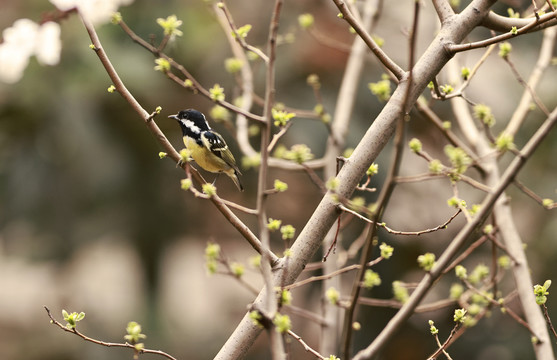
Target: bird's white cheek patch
191,125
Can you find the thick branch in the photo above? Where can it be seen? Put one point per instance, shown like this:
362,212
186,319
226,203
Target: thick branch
372,143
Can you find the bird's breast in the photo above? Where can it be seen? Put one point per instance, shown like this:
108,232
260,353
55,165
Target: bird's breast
204,157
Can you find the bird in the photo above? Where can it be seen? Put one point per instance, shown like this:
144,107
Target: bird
208,148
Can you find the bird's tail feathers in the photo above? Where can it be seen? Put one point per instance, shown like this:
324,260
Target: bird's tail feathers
234,176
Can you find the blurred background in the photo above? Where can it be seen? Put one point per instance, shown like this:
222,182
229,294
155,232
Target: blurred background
92,220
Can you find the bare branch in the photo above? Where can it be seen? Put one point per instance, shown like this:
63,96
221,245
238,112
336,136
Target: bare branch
104,343
396,70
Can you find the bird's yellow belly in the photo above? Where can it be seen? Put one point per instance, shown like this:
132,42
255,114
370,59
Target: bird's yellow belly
204,158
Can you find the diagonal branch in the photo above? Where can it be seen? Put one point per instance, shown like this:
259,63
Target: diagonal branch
163,141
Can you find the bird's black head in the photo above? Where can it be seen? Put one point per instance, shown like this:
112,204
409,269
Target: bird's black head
191,121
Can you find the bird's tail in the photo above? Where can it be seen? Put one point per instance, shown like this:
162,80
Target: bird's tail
234,176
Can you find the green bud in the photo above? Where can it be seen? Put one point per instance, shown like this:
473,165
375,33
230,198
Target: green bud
116,18
256,318
456,291
357,202
371,279
461,272
285,297
459,315
72,319
185,155
273,224
252,161
332,295
313,81
456,202
483,113
162,154
185,184
233,65
332,184
386,250
447,89
170,25
282,323
237,269
242,31
111,89
435,167
378,40
217,93
513,14
305,21
280,186
255,261
280,117
479,273
287,232
372,170
211,266
474,309
465,73
458,158
299,153
504,142
220,113
541,292
432,329
348,152
505,49
162,65
134,334
548,203
504,262
415,145
400,292
426,261
381,89
212,251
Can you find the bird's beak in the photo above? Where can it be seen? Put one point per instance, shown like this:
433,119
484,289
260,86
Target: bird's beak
175,117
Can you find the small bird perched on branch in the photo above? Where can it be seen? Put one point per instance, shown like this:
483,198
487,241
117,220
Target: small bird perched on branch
208,148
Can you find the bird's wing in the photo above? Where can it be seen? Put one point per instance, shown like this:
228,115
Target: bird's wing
216,144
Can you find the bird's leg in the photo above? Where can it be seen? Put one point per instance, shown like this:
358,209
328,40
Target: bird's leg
216,177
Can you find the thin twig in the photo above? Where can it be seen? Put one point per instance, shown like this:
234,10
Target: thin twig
533,94
239,38
196,85
104,343
495,39
306,346
399,232
548,319
396,70
533,195
443,346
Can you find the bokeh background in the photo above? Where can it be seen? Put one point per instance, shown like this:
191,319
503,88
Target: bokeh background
92,220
